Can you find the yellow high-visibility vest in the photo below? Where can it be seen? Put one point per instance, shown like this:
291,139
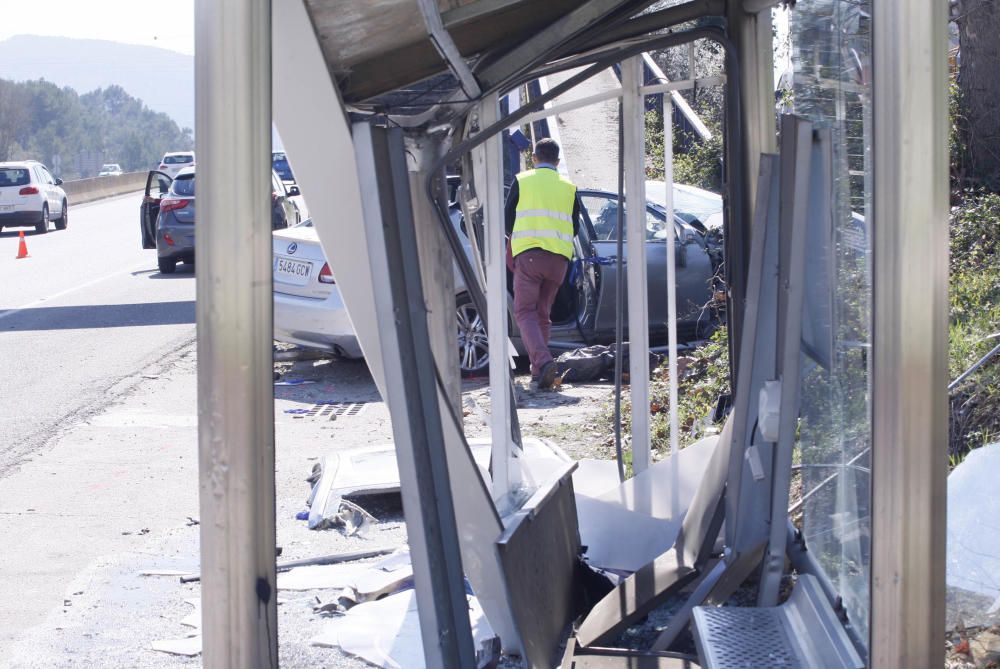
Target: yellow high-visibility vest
544,213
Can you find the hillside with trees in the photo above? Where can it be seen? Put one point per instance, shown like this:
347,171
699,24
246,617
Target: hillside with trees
74,134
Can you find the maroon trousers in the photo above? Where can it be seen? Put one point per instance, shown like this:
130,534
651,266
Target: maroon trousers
537,277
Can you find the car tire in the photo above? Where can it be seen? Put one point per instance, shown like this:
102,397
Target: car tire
473,346
63,220
166,265
43,225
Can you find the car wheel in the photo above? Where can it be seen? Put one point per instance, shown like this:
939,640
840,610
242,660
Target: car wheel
473,345
166,265
63,220
43,225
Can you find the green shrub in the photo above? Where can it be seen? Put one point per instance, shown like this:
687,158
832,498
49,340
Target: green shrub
704,377
974,318
701,166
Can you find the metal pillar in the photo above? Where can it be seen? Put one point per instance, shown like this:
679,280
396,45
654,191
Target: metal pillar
235,391
910,333
671,242
752,34
808,178
505,470
411,389
634,112
754,111
436,260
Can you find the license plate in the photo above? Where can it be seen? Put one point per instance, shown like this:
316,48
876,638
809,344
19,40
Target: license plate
6,208
291,271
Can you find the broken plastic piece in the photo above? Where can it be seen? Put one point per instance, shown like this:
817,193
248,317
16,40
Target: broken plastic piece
398,642
189,646
769,410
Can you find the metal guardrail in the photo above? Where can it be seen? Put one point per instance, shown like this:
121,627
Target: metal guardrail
79,191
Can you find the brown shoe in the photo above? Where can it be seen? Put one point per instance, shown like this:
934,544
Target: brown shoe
547,375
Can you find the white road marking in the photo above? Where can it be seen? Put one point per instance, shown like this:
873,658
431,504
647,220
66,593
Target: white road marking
63,293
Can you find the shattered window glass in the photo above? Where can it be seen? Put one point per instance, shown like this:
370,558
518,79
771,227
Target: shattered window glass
828,83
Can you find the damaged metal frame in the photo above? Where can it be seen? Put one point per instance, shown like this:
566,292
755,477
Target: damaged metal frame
236,424
300,71
487,131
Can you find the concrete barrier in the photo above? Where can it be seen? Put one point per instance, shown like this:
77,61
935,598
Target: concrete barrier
79,191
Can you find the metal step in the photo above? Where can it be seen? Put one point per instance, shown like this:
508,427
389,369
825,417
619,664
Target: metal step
803,632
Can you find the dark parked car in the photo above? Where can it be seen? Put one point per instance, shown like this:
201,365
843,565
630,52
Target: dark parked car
166,216
584,310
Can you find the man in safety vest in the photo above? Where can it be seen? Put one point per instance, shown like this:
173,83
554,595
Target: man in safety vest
542,218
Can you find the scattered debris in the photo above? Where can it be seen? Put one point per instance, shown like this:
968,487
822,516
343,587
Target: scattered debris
193,619
358,582
192,521
373,470
321,577
336,558
594,363
189,646
472,407
398,643
349,517
488,654
164,572
295,354
293,382
985,649
195,578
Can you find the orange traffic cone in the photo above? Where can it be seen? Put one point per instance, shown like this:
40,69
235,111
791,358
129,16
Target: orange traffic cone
22,248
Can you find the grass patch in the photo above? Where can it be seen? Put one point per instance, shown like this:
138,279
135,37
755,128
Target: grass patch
703,377
974,292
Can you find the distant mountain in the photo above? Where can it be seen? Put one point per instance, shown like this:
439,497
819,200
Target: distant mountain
162,79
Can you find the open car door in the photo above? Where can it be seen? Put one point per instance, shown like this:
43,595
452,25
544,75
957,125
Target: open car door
584,275
157,185
692,261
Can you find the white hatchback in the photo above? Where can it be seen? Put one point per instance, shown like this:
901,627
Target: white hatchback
174,161
31,196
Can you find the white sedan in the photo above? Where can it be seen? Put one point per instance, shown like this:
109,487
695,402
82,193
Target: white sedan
308,309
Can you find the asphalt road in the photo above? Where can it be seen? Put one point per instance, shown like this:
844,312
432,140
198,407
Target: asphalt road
81,320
